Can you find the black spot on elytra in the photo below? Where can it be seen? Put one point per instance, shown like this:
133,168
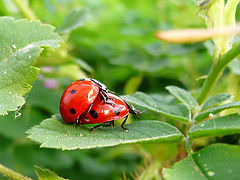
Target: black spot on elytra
72,91
116,111
93,114
72,111
81,79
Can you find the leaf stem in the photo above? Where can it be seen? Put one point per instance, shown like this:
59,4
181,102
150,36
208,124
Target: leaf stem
12,174
25,9
216,71
188,145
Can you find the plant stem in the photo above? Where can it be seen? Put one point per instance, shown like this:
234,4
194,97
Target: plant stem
12,174
216,71
188,145
26,11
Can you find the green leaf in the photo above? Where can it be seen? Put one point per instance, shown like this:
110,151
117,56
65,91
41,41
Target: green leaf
153,103
215,100
84,65
21,43
52,133
215,110
184,96
133,84
46,174
40,95
217,161
74,19
14,127
235,66
225,125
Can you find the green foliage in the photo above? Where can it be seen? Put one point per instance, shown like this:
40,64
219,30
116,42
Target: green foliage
45,174
154,103
18,53
183,96
224,125
14,127
52,133
215,100
216,161
117,46
217,109
74,19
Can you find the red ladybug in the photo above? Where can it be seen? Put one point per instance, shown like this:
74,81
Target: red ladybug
101,112
78,97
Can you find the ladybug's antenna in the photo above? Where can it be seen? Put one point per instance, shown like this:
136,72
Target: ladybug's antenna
111,91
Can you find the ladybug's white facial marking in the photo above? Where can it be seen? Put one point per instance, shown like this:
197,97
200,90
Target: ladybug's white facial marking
90,95
101,85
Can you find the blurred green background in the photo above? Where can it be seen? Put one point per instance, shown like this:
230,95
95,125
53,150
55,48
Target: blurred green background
115,45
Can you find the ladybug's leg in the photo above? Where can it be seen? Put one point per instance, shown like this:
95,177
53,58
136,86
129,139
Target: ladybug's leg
95,127
112,123
105,98
112,104
87,111
123,123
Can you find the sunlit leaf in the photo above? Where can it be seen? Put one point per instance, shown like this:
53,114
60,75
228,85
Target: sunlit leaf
215,100
45,174
52,133
218,126
21,43
217,109
151,102
183,96
217,161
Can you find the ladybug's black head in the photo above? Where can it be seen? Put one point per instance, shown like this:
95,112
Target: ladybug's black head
133,110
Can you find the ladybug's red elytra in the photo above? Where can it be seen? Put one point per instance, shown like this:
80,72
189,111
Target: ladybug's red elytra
78,97
102,112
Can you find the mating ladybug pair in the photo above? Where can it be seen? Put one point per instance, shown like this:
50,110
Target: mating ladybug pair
87,101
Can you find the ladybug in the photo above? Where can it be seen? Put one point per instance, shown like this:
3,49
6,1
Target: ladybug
101,112
79,96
